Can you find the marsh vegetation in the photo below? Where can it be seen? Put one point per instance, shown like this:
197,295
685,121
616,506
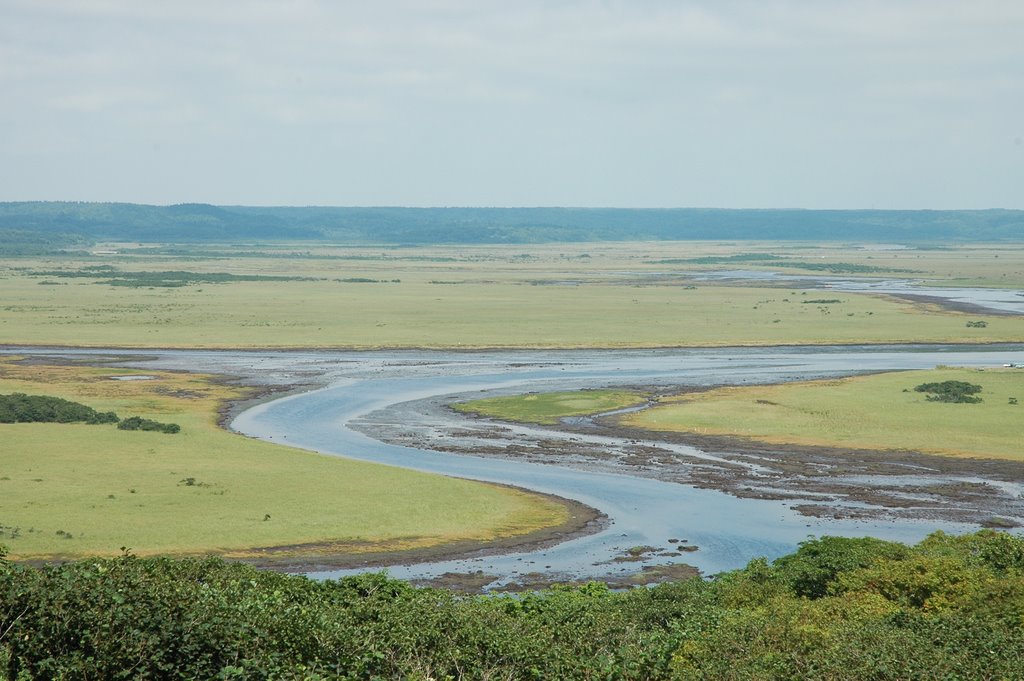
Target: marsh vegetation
72,489
921,410
575,295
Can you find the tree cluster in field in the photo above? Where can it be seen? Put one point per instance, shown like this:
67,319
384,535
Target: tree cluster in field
139,423
958,392
22,408
838,608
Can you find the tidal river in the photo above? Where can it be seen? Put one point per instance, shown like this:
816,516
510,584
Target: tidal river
727,530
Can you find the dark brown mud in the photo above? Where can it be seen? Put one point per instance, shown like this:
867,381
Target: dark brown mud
824,482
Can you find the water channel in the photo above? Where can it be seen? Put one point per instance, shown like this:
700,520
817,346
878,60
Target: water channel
727,530
1002,301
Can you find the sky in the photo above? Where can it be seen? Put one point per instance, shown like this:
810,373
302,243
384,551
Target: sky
644,103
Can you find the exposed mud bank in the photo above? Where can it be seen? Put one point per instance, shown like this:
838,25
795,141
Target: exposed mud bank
733,500
823,482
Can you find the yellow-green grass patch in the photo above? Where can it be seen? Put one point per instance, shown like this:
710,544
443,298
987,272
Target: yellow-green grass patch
68,490
872,412
507,306
569,295
549,408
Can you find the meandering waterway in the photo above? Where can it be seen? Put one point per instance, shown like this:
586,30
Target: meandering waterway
728,530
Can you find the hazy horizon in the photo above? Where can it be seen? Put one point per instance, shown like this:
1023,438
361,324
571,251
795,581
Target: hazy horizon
659,104
506,207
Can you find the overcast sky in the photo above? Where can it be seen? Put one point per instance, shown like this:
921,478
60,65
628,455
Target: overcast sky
816,104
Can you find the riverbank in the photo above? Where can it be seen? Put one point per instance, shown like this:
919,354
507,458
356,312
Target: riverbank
582,520
643,508
817,481
76,490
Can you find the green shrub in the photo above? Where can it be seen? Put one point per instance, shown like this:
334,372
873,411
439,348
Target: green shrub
139,423
951,607
960,392
22,408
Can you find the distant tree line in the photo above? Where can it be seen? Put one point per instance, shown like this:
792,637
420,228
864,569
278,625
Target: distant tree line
15,242
397,225
22,408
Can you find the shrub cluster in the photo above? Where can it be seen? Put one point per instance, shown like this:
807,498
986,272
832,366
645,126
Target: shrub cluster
960,392
139,423
22,408
838,608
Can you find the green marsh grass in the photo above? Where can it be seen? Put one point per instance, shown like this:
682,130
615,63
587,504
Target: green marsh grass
549,408
579,295
68,490
872,412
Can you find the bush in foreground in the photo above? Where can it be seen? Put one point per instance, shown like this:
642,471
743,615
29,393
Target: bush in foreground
951,607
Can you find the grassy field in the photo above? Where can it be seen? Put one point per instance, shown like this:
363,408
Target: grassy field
549,408
874,412
70,490
580,295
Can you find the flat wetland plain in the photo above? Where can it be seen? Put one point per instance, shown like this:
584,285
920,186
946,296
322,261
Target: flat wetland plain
551,296
867,412
877,412
72,490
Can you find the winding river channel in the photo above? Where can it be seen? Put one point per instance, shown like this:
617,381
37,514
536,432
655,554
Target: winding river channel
641,511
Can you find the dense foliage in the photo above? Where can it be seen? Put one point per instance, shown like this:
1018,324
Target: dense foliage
35,242
139,423
959,392
22,408
951,607
205,223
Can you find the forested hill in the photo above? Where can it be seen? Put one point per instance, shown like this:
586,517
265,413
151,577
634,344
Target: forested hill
201,222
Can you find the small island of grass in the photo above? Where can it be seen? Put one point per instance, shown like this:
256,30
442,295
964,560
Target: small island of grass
550,408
